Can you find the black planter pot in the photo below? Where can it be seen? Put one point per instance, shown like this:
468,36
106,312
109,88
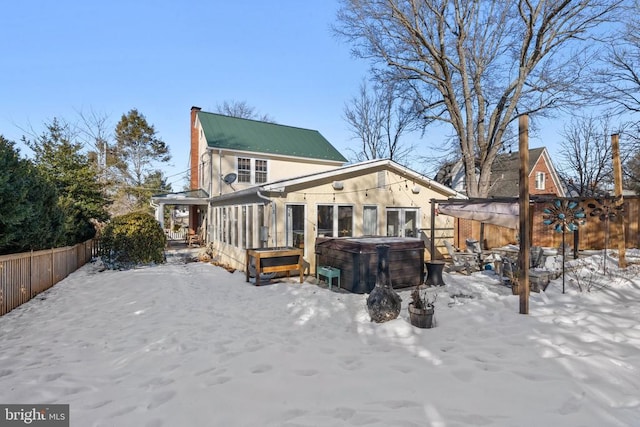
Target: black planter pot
434,273
421,318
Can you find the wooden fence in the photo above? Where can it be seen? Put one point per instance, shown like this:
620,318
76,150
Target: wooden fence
25,275
591,235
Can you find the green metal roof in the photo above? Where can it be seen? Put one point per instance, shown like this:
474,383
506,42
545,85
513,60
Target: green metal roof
233,133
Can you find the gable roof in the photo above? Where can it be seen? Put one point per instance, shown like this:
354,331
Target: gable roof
258,194
505,172
233,133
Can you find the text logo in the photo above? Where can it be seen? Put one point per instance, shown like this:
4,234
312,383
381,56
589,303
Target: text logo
34,415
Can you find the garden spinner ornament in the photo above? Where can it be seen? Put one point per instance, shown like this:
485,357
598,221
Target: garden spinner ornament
606,209
564,215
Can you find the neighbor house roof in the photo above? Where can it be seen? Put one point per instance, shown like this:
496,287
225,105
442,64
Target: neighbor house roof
233,133
505,172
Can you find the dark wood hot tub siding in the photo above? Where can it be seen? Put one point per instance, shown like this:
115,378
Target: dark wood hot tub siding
358,262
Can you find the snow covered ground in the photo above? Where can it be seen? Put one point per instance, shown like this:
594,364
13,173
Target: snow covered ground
190,344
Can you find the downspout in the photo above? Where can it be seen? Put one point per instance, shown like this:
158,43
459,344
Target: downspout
210,171
209,207
220,172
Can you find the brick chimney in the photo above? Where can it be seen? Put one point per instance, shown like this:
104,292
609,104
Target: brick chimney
195,138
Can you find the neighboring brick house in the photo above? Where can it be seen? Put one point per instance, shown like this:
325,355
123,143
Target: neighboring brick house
543,178
505,175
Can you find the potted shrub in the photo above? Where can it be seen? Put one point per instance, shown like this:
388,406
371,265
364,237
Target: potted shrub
514,278
422,308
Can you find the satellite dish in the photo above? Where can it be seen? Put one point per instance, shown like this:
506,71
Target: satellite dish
230,178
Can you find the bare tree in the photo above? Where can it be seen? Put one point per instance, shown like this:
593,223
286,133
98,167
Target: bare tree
619,79
378,119
630,155
476,64
242,110
95,130
586,152
363,115
631,172
620,87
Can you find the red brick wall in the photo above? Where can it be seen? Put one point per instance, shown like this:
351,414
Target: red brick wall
550,186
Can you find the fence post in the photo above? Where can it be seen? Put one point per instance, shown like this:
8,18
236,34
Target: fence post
2,282
31,274
53,276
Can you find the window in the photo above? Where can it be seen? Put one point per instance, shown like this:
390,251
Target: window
335,222
540,176
244,170
249,223
252,171
345,221
234,227
402,222
295,226
370,221
325,221
244,228
261,171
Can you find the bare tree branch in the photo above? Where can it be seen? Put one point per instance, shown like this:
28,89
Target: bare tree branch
476,64
243,110
586,152
377,119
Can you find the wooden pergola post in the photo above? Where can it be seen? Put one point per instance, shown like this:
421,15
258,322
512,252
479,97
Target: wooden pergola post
525,241
617,184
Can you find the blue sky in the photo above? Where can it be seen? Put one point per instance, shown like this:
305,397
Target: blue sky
162,57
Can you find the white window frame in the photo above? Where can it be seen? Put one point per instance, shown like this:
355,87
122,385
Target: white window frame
252,170
289,232
374,208
243,174
402,220
540,180
336,217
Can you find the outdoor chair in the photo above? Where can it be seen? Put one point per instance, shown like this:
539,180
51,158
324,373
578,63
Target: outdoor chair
536,257
196,238
467,261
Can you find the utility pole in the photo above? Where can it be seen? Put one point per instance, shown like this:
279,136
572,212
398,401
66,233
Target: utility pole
525,241
617,184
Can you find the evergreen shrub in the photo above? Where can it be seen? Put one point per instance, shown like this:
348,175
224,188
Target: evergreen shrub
134,238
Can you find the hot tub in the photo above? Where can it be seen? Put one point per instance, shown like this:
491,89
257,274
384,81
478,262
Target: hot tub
358,262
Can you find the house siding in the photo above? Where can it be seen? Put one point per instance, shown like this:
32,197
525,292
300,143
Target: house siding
358,191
